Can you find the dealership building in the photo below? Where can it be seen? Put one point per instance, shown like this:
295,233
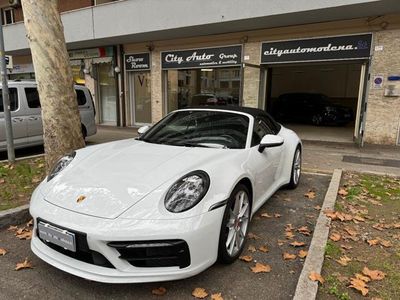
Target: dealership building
143,59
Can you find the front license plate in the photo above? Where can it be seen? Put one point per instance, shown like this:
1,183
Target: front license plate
57,236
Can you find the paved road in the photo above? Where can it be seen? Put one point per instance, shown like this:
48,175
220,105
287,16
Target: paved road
235,281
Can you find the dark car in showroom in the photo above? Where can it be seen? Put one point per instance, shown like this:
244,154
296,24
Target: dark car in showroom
312,108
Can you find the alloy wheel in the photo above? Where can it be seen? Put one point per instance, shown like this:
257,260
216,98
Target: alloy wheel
237,223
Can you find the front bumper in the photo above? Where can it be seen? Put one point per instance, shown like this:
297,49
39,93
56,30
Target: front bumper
201,234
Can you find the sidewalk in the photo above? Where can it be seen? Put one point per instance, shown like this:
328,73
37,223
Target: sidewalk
317,156
110,133
371,158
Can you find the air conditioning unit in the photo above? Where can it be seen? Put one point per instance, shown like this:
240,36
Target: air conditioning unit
14,3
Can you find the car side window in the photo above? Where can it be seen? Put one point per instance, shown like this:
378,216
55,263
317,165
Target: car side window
80,95
260,129
13,99
32,97
271,124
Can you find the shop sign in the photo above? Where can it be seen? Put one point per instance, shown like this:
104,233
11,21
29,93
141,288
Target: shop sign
200,58
318,49
9,61
90,53
137,62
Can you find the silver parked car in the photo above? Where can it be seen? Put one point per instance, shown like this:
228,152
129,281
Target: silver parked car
26,114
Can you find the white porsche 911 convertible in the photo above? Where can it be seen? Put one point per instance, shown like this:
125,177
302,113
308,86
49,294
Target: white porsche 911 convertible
168,204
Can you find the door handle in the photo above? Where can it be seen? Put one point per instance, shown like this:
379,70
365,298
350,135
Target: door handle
16,119
32,118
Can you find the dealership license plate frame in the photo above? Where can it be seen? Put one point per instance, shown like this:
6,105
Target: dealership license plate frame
57,236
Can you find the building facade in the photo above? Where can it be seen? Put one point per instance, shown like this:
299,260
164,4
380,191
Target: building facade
143,59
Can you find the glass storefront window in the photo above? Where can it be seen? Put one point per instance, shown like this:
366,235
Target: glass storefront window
194,87
78,75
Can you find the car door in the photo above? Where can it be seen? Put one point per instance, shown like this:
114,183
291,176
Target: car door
265,163
34,116
18,120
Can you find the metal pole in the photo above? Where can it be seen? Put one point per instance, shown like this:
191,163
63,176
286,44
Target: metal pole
6,101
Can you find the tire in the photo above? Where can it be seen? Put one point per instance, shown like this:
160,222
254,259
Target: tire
233,227
316,119
296,170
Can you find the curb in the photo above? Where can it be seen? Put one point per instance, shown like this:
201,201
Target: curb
24,158
307,289
14,216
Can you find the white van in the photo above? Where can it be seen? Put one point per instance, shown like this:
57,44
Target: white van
26,114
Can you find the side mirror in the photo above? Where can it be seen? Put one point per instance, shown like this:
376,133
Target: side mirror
269,141
143,129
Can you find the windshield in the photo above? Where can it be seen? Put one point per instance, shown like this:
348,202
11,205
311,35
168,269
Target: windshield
197,128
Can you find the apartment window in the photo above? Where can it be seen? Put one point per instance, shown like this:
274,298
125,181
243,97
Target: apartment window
8,15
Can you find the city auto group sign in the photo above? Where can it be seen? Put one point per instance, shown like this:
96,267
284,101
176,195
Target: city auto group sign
318,49
202,58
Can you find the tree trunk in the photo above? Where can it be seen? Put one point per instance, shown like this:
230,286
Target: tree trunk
60,114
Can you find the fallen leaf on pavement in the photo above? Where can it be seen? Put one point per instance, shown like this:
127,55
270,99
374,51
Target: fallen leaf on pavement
359,285
199,293
12,228
335,236
30,223
289,227
217,296
289,235
23,265
302,253
317,207
373,242
330,214
25,235
373,274
246,258
3,251
159,291
359,219
310,195
304,230
362,277
280,242
263,249
297,244
260,268
253,236
288,256
385,243
277,215
266,215
344,260
343,192
252,248
351,231
314,276
346,247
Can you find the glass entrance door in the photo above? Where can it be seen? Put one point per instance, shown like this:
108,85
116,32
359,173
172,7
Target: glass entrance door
141,96
107,91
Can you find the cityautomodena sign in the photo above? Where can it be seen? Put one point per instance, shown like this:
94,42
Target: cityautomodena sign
317,49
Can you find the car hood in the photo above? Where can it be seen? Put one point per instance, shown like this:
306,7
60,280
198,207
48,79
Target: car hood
114,177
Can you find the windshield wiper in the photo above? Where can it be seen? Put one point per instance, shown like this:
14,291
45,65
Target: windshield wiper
202,145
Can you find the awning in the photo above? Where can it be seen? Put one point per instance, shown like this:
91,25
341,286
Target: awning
101,60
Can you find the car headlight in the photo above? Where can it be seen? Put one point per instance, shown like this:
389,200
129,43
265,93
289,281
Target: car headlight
187,191
60,165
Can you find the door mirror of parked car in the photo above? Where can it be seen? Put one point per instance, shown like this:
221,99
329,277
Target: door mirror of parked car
143,129
269,141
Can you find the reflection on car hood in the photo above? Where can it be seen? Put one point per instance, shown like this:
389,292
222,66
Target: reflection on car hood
117,175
